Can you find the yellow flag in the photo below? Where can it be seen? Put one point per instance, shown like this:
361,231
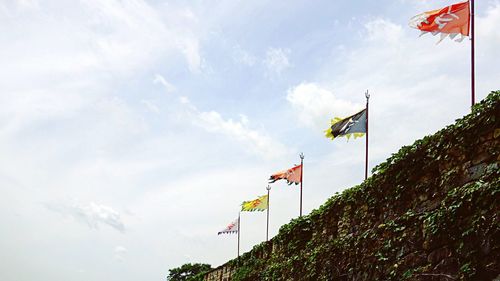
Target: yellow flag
259,204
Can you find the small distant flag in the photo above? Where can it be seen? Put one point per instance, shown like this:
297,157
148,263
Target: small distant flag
259,204
352,125
230,228
448,21
292,175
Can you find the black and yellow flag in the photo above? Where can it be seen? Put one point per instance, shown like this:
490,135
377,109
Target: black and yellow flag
354,125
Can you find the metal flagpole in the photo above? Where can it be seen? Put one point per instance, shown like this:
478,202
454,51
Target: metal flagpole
239,226
366,145
268,188
473,75
301,174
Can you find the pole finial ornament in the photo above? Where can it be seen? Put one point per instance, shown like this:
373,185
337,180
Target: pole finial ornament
367,95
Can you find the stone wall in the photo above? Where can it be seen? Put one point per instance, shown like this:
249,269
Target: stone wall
430,212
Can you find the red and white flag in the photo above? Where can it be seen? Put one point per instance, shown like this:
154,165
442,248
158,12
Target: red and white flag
233,227
449,21
292,175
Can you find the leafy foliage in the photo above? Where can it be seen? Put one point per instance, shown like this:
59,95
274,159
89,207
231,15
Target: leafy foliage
189,272
431,209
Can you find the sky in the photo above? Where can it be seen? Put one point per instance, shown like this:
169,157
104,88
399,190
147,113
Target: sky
132,130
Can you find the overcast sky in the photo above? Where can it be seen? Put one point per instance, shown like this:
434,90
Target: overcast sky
130,131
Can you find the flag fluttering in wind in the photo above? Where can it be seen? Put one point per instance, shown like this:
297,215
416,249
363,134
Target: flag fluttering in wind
292,175
259,204
449,21
354,125
230,228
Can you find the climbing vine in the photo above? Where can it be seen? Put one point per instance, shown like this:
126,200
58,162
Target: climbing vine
431,209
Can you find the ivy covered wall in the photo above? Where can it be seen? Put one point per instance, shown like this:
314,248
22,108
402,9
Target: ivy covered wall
430,212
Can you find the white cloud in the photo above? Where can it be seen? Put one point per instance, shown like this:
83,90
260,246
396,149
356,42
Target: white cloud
487,35
186,32
256,141
119,253
91,214
241,56
277,60
161,80
191,50
28,4
82,50
316,105
120,250
151,106
384,30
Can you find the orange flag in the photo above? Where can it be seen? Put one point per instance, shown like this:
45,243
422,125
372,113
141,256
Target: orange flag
449,21
292,175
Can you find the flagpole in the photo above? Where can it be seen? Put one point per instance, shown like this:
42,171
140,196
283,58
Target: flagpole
301,155
268,188
366,144
473,75
239,226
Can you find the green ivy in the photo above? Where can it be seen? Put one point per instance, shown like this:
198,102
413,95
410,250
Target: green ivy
394,225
